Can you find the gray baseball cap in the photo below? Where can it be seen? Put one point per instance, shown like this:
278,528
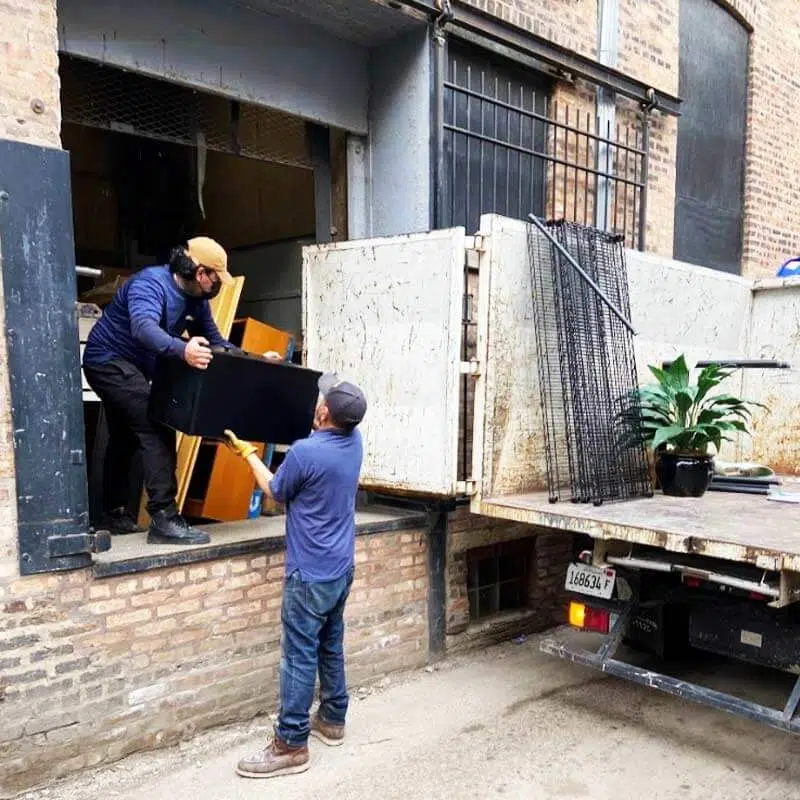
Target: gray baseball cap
345,400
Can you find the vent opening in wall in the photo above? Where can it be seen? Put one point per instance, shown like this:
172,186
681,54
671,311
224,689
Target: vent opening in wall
498,578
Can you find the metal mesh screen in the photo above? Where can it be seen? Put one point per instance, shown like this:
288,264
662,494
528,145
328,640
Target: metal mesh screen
587,367
105,97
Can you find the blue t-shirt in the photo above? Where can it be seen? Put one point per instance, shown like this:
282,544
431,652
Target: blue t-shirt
318,482
145,319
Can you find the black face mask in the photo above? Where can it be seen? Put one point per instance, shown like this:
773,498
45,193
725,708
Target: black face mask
213,291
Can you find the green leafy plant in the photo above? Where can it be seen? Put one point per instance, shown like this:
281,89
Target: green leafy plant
685,417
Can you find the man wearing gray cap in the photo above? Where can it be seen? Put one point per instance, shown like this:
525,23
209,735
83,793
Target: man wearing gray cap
318,482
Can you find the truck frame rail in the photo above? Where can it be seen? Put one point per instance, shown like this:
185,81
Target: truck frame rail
604,660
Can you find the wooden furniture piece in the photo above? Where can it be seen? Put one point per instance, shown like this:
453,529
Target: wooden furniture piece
257,337
222,484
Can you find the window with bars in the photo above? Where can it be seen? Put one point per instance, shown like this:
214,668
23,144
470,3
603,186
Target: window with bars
511,149
498,577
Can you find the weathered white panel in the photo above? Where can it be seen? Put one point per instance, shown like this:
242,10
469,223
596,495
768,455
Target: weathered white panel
682,308
508,454
675,308
386,313
775,335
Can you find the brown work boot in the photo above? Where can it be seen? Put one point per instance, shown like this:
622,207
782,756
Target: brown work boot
276,759
327,732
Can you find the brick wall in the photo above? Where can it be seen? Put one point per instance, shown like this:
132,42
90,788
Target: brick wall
549,557
30,109
570,23
772,193
94,669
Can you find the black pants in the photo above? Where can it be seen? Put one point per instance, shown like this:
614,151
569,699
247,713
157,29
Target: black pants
125,394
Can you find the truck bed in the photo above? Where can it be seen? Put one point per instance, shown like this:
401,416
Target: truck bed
735,527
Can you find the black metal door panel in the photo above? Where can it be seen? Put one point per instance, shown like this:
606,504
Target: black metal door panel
38,263
709,208
494,139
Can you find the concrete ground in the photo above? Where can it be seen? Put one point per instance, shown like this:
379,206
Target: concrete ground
507,722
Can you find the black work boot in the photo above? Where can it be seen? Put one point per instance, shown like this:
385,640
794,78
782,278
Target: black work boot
169,527
119,523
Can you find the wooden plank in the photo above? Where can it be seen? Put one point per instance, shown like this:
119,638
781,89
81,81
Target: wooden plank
223,310
387,314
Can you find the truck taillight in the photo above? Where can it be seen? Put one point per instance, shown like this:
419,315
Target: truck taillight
589,619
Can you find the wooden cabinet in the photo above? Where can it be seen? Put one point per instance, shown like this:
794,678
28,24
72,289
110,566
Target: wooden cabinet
257,337
222,484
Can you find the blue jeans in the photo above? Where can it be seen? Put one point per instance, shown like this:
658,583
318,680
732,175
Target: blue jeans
312,617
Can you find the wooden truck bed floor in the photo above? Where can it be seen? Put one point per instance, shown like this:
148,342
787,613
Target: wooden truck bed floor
737,527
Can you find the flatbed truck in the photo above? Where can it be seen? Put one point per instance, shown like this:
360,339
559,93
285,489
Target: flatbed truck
719,574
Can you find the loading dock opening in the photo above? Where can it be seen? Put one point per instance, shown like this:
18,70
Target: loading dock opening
153,163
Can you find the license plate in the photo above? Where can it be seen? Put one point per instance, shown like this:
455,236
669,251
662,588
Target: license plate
594,581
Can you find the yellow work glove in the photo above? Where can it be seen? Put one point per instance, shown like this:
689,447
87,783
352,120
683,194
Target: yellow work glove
239,447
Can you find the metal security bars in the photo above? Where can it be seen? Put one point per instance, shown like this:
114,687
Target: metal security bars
586,363
512,150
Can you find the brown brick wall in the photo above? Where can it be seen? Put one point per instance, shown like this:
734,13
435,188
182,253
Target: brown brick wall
547,568
94,669
29,74
772,196
570,23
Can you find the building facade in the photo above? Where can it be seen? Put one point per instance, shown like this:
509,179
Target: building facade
378,121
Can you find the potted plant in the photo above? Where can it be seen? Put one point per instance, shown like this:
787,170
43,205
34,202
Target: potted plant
681,420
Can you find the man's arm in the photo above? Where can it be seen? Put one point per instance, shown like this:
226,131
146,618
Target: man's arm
281,486
261,473
146,303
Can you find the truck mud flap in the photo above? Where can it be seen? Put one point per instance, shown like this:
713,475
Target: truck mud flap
603,660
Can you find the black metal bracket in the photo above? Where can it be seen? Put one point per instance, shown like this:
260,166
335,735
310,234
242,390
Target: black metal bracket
737,364
78,544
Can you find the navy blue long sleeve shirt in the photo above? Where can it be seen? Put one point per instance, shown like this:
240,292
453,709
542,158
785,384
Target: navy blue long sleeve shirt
146,319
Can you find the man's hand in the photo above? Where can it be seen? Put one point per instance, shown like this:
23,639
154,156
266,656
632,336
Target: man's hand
271,355
197,353
243,449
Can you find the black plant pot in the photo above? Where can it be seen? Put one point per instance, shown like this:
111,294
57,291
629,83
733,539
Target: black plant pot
684,475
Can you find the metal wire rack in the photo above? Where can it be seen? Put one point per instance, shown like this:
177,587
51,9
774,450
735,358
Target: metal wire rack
586,363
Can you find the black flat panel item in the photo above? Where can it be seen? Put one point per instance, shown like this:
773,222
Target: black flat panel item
38,264
260,400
